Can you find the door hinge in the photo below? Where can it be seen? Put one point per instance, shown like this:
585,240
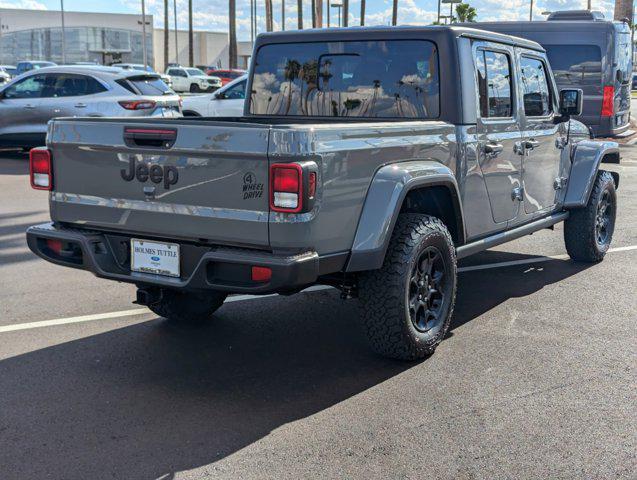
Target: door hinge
559,183
561,142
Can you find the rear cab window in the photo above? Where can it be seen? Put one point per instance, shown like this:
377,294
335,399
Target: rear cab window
535,86
370,79
493,70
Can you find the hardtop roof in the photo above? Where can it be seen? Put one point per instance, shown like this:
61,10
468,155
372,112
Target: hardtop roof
393,33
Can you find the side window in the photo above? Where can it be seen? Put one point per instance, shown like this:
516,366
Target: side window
181,73
537,97
30,87
494,84
172,72
236,92
69,85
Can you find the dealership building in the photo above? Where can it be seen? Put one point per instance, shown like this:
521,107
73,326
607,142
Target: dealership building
104,38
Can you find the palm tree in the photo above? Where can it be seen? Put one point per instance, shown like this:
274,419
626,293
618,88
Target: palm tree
394,13
313,9
362,13
623,9
466,13
191,48
165,34
299,14
345,12
318,6
268,16
232,47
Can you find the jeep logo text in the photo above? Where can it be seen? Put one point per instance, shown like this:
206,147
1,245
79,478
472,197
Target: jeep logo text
156,173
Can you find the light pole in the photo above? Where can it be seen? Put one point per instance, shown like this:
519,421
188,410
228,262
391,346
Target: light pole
451,3
283,15
339,6
531,12
63,33
1,28
176,35
144,53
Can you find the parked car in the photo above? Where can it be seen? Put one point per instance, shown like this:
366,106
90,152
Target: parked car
633,84
28,102
192,80
4,77
226,102
226,76
10,70
24,67
588,52
139,67
401,151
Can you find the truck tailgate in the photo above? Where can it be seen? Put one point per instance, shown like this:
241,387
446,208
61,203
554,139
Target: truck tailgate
203,181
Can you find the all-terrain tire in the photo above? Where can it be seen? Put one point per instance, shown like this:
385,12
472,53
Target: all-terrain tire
588,231
187,307
387,295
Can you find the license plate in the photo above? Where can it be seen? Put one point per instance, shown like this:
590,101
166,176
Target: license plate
153,257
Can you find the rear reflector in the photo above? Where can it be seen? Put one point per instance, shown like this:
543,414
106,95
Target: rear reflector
286,185
54,245
608,101
261,274
137,104
40,169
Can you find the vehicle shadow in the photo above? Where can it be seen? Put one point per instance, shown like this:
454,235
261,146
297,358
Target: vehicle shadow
14,163
153,399
13,239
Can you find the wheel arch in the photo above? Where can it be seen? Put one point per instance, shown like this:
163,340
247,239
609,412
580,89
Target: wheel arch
586,159
427,187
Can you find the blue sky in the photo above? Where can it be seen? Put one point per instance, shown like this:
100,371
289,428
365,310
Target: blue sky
213,14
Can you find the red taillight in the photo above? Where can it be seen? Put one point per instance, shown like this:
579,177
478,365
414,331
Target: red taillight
137,104
608,101
261,274
40,169
286,185
54,245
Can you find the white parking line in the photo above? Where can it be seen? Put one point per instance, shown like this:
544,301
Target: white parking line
241,298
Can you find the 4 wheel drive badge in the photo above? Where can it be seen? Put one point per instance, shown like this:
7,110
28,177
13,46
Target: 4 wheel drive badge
251,187
168,174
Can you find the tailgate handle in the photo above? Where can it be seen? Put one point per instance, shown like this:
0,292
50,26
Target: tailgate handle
150,137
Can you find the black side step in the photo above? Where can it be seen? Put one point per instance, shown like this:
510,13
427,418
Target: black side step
503,237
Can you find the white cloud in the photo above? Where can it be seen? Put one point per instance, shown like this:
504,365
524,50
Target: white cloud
26,4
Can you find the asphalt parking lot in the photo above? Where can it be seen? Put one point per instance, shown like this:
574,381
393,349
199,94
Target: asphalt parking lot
537,378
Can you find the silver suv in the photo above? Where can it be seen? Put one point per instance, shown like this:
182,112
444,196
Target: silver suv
30,101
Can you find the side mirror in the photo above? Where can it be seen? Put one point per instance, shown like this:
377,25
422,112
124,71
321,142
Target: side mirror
220,96
571,101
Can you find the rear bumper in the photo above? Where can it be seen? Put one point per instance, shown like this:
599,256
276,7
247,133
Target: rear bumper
203,267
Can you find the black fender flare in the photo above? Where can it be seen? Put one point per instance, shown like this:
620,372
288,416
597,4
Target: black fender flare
383,202
586,159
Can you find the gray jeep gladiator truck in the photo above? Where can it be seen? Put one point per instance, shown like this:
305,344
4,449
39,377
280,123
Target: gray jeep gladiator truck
369,159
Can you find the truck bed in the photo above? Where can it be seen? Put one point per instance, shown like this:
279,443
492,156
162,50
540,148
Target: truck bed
221,195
